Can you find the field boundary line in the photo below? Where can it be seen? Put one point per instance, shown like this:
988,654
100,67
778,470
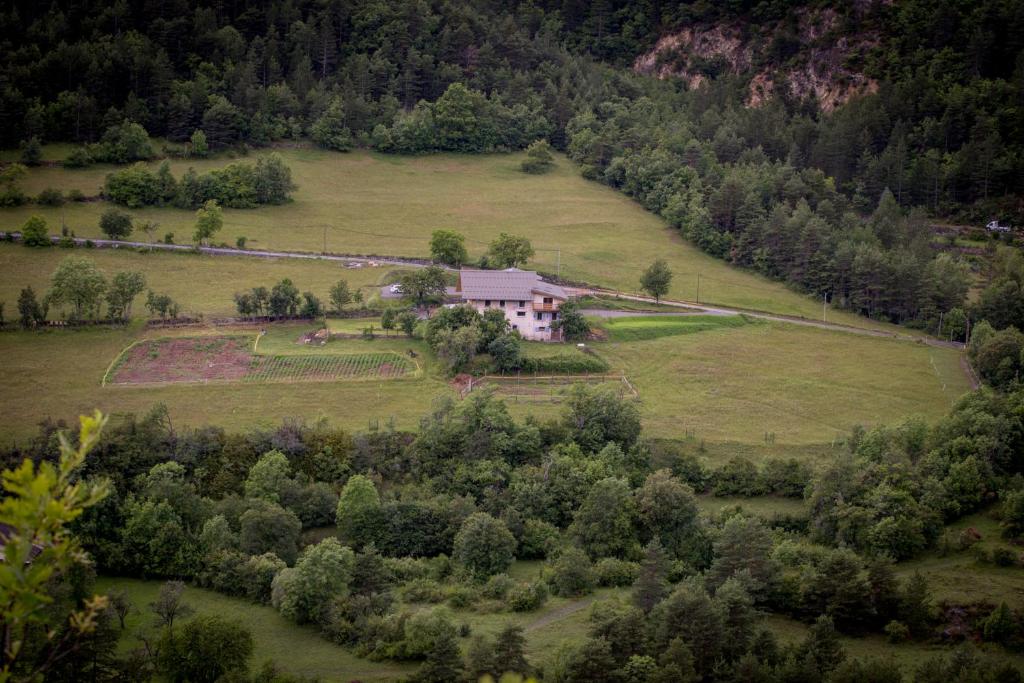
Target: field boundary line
113,363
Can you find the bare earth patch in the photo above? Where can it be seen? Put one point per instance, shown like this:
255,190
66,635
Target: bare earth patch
188,359
230,359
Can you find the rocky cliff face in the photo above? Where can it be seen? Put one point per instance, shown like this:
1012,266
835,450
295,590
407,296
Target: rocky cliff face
811,57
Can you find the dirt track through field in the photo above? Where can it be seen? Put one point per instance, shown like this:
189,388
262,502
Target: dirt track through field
559,614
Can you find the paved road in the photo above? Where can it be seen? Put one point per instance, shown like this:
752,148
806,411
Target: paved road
694,307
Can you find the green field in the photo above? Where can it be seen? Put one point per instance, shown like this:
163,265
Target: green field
275,637
728,385
642,328
805,385
199,283
368,203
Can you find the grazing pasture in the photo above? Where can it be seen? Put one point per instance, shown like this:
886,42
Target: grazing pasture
642,328
367,203
201,284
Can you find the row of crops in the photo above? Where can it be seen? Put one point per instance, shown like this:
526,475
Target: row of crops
325,368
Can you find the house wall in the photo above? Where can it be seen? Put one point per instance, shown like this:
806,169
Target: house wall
527,324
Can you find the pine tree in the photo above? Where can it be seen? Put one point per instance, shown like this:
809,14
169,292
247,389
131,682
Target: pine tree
509,651
822,645
443,663
652,584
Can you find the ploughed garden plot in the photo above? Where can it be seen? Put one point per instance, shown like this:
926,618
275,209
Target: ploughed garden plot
231,359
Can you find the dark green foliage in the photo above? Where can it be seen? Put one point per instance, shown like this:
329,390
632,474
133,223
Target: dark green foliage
572,574
651,584
484,546
122,143
510,251
527,597
538,158
424,284
240,185
50,197
596,416
656,279
205,649
34,233
448,247
31,152
30,313
266,527
571,322
116,224
564,364
998,356
329,131
1001,626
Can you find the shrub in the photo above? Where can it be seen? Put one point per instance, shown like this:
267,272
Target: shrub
571,574
613,572
116,224
50,197
565,364
497,587
423,590
79,158
75,195
1004,557
461,597
897,631
527,597
34,234
539,539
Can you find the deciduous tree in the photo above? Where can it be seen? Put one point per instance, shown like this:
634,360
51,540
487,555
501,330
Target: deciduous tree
510,251
656,279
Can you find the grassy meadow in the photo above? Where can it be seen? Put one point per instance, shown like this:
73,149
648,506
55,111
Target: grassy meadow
368,203
726,386
723,380
200,283
275,638
805,385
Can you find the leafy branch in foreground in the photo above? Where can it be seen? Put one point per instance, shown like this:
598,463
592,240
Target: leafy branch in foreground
38,505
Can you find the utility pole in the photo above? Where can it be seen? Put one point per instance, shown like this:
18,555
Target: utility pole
698,287
824,302
325,241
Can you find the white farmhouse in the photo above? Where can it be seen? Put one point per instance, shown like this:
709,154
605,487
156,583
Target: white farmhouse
529,304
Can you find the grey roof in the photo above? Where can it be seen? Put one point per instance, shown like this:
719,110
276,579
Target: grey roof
510,284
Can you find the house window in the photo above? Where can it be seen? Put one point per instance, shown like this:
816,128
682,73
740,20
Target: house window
521,304
487,303
548,300
520,314
502,303
538,316
515,327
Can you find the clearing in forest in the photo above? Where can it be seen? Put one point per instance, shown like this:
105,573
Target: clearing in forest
231,359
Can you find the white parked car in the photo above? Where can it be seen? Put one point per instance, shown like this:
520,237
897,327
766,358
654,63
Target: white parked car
396,289
995,226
